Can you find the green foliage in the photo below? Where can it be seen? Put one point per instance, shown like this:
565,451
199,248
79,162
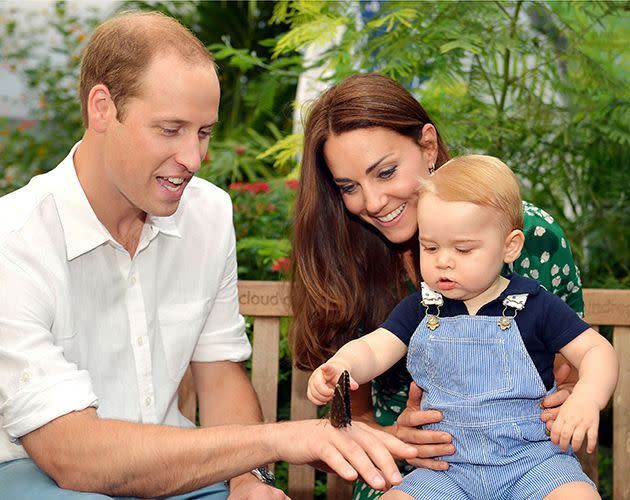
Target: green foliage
35,146
542,85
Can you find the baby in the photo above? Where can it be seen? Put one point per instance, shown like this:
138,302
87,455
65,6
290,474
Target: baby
481,347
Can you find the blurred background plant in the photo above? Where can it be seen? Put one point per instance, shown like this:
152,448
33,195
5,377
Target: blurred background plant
540,84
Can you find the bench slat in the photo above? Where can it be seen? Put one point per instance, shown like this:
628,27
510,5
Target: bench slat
301,477
621,410
265,360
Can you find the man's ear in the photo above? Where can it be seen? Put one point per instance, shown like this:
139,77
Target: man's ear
100,108
513,245
428,142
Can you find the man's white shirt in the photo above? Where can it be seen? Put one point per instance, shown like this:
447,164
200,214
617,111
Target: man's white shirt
82,323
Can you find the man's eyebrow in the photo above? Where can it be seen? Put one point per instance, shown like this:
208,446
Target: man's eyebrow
367,170
177,121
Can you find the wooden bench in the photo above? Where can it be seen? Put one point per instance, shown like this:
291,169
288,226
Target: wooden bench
268,302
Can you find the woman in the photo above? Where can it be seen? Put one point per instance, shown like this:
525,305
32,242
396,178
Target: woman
366,142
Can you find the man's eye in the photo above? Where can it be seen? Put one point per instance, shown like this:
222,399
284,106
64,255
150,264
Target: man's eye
168,131
207,132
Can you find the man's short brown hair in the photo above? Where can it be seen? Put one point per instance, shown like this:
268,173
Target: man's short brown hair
121,49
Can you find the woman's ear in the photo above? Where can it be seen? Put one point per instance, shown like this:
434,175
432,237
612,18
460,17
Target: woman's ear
429,143
513,245
100,108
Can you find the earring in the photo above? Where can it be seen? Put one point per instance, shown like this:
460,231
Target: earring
432,169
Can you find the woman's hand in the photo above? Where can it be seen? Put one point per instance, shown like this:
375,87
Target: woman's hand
428,443
566,377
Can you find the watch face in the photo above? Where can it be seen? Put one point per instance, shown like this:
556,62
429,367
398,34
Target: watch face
265,475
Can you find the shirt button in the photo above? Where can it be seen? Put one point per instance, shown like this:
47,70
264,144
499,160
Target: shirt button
147,401
26,377
132,280
140,341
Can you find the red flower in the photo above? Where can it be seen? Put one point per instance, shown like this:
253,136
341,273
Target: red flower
236,186
270,208
282,265
240,149
25,124
256,187
292,184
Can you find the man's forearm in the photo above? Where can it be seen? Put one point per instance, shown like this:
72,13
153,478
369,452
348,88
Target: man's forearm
84,453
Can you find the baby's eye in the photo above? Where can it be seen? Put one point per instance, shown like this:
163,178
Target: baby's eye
428,248
464,250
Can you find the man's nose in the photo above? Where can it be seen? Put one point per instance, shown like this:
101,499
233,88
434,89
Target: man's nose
190,154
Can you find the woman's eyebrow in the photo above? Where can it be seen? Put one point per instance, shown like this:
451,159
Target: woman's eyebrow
376,164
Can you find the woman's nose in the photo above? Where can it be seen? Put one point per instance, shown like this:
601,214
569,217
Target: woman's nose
374,200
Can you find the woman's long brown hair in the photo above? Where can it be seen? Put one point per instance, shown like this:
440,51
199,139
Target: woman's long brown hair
346,276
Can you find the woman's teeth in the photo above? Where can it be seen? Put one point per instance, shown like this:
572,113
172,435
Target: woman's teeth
392,215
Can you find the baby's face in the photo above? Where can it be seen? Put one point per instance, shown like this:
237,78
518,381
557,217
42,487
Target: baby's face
462,246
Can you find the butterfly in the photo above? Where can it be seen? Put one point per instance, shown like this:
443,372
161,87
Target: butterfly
340,408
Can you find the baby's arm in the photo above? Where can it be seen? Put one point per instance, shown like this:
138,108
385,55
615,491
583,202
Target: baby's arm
598,369
364,358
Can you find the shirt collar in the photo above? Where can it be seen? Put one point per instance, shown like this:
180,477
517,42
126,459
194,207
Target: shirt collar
83,231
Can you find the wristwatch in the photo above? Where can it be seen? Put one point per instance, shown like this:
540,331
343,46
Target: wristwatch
265,475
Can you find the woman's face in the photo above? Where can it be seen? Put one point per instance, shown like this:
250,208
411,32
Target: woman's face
377,172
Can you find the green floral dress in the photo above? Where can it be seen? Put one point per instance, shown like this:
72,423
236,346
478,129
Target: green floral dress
545,257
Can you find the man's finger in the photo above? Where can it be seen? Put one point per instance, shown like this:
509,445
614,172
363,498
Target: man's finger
415,394
428,463
417,418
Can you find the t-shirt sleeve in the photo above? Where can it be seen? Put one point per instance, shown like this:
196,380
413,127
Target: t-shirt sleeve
560,324
405,318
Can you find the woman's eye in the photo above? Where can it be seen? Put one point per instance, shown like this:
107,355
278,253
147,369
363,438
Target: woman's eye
387,173
347,188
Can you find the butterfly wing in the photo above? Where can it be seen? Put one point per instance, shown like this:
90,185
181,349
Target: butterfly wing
340,406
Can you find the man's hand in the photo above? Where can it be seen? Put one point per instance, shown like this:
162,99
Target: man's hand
248,487
429,444
351,451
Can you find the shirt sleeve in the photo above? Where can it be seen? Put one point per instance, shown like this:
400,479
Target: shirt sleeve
223,337
405,318
559,323
37,384
547,258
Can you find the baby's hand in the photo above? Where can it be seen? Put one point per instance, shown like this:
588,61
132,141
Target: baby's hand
578,418
321,384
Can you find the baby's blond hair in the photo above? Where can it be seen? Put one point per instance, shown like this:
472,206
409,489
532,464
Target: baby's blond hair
483,180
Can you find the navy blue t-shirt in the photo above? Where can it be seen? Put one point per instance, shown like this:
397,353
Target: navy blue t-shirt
546,323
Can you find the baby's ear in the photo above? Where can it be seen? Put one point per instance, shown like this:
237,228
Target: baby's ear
513,245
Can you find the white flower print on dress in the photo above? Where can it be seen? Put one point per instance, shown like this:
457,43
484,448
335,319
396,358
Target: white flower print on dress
554,269
548,218
570,285
563,242
534,273
566,270
544,257
556,281
539,231
525,263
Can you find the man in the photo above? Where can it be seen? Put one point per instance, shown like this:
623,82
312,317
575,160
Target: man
117,269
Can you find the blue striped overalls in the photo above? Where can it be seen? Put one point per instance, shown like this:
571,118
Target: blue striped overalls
483,380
